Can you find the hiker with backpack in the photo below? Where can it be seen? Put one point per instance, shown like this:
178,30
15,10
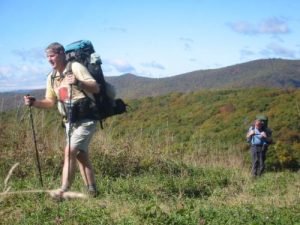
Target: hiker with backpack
259,136
71,87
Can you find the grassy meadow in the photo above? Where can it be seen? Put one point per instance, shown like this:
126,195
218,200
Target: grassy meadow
174,159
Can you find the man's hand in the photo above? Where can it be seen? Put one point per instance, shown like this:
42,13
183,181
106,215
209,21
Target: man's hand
252,132
29,100
71,79
263,134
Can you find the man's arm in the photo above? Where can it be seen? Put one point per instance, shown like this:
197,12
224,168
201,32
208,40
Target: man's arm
89,86
81,77
250,133
44,103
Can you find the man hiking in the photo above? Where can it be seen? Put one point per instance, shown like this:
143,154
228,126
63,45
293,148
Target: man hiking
259,136
71,87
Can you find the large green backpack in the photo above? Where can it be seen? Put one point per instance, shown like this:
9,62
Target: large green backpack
83,52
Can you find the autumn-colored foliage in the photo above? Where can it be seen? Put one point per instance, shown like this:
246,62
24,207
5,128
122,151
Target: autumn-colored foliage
180,123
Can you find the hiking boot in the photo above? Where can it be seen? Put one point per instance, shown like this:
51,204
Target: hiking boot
93,193
92,190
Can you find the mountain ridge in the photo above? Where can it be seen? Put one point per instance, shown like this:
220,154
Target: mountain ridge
271,73
276,73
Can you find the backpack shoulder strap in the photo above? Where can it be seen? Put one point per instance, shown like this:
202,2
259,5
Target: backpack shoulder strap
53,76
53,73
69,67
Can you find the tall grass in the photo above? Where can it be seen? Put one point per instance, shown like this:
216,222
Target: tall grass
144,177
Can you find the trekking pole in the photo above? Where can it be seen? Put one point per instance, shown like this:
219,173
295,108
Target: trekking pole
36,150
70,130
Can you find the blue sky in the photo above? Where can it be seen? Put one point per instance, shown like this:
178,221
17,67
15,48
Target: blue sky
156,38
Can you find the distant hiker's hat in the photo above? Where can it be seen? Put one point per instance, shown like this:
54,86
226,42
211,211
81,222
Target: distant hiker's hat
95,58
262,117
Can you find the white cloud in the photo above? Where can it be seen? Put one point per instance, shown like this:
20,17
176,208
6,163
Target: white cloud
242,27
185,39
187,43
116,29
30,55
22,77
245,53
277,50
272,25
4,70
154,65
120,65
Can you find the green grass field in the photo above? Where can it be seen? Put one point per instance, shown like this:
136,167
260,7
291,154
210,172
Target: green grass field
171,167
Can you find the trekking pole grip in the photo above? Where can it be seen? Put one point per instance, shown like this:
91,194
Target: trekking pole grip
31,100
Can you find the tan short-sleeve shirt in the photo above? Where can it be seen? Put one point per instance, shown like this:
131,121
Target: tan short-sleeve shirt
58,88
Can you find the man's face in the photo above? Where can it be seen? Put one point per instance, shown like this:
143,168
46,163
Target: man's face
55,59
258,123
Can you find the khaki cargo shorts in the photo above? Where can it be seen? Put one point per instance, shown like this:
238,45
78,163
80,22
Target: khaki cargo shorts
81,134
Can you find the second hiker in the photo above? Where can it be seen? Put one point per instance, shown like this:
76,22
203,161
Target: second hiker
259,136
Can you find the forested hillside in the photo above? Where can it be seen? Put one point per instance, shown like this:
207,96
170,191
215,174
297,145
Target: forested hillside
219,118
185,121
276,73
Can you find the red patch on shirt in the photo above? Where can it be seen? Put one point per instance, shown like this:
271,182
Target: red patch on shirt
63,93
